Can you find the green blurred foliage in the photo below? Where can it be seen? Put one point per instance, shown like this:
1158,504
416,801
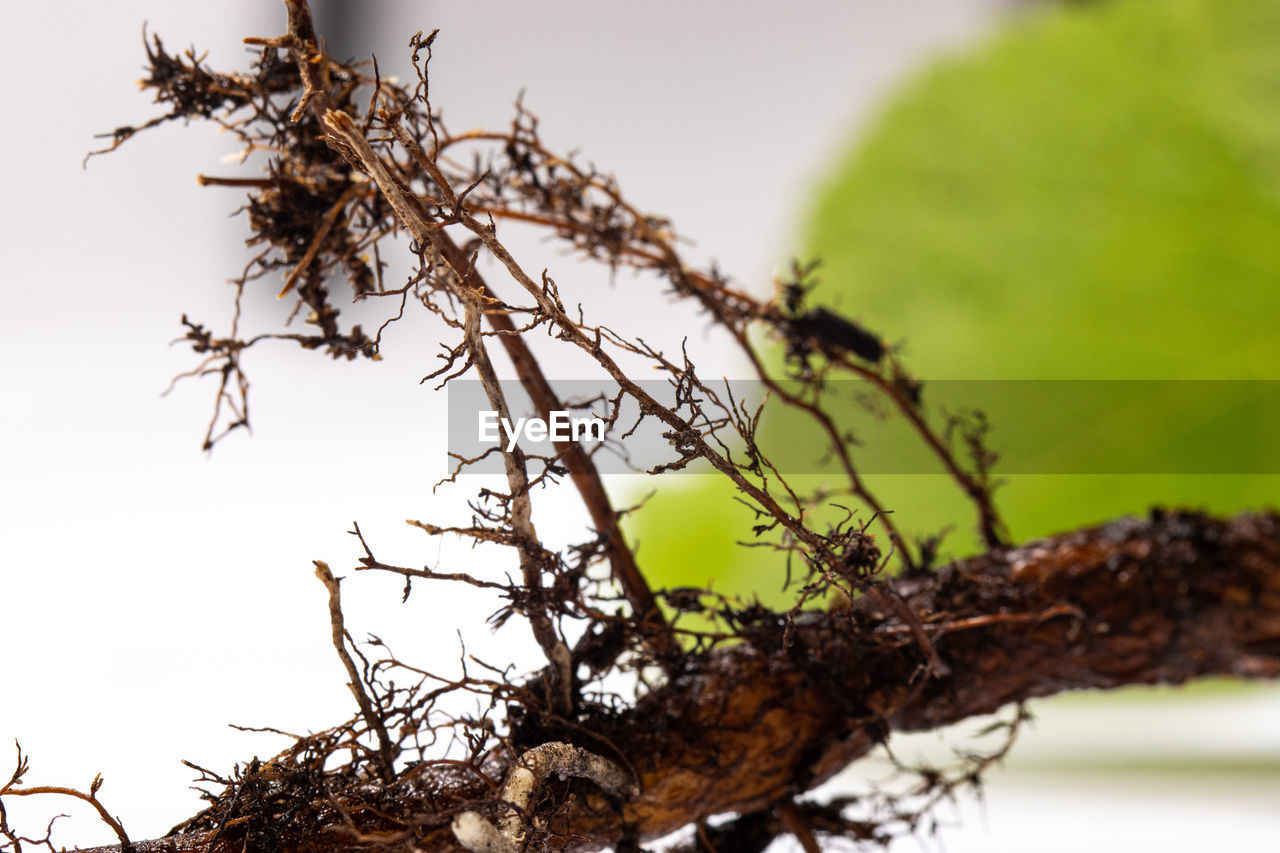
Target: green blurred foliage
1092,194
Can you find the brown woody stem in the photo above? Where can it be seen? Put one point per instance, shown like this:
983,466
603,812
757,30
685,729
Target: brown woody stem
1163,600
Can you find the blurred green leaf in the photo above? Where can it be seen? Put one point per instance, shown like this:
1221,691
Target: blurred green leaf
1092,194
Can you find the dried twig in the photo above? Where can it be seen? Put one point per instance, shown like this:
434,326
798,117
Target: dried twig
386,751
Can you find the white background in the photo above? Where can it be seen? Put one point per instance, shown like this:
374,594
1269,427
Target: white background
150,594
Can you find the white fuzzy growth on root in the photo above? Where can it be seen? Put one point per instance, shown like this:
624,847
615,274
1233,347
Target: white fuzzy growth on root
478,835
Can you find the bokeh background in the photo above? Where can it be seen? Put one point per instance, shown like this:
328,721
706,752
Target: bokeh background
961,164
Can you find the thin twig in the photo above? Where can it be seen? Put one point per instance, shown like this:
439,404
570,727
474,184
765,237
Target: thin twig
386,751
